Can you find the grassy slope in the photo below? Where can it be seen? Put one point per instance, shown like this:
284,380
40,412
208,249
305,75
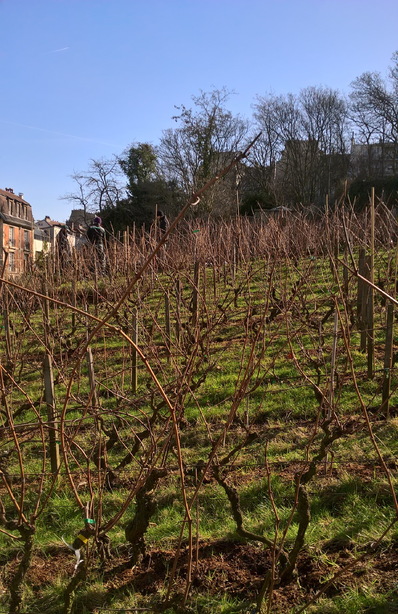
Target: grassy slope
262,350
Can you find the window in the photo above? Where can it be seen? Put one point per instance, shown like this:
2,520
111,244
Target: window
12,236
11,262
26,262
26,240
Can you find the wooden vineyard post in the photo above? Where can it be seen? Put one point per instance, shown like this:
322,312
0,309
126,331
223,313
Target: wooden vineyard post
395,291
246,413
6,324
143,244
365,307
115,256
214,280
133,264
327,228
178,309
234,263
49,397
333,364
385,404
96,291
167,323
363,293
204,275
370,310
370,331
134,362
127,248
91,377
124,250
345,273
46,315
336,247
74,299
195,294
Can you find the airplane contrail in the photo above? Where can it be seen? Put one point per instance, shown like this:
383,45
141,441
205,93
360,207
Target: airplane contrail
54,132
57,50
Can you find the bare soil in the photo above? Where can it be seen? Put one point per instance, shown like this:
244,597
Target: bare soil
227,567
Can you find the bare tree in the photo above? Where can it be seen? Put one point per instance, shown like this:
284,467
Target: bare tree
206,139
374,105
99,186
374,113
304,142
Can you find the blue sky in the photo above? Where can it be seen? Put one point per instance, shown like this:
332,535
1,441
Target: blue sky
84,79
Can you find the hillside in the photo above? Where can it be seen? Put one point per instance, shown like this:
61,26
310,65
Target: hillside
213,428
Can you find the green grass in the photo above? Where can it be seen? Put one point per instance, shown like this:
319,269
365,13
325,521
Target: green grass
348,506
358,601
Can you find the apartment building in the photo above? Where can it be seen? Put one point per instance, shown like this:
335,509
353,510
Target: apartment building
374,160
16,232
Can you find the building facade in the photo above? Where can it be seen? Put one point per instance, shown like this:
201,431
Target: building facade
374,160
50,229
16,232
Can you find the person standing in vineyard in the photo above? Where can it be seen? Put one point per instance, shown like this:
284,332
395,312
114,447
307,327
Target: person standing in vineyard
64,248
96,236
162,222
161,225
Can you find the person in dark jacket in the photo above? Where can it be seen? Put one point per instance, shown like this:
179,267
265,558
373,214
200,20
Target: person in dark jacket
162,221
96,236
64,248
161,226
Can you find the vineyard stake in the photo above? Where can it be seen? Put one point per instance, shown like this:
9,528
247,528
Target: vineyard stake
134,368
49,397
385,405
370,314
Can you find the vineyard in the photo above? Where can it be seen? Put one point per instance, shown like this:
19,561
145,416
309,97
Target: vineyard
211,426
